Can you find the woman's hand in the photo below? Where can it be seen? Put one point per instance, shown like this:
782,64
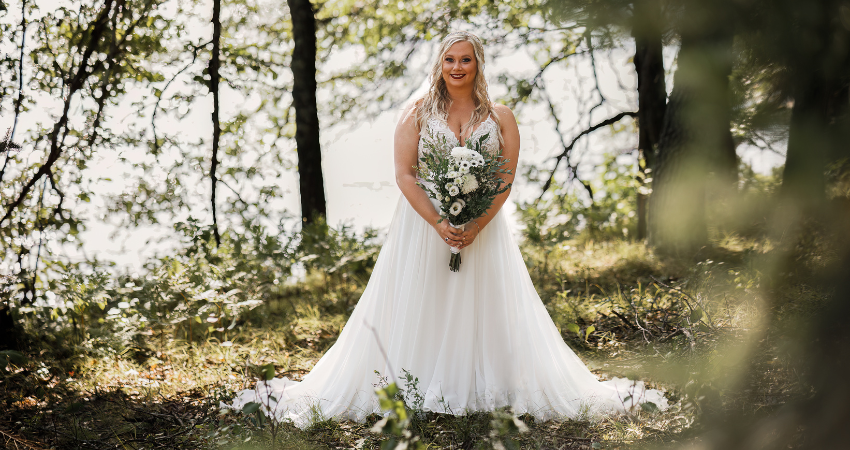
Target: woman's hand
469,234
450,234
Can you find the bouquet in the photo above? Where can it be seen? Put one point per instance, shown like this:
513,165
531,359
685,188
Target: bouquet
464,180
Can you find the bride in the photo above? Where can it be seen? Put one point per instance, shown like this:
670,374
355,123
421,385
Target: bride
477,339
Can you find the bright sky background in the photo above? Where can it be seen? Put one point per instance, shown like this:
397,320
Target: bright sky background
357,156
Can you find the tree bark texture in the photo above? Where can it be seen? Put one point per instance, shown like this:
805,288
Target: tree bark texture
214,65
820,126
696,153
311,181
803,178
652,94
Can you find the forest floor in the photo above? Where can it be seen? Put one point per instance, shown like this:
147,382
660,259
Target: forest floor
689,329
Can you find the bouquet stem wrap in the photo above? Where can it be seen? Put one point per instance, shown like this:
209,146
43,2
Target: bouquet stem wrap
454,261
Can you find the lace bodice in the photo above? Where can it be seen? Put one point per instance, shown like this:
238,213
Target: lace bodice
437,126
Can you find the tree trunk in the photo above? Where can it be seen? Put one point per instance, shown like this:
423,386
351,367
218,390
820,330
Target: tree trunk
313,205
215,64
803,178
652,94
695,145
8,328
816,121
696,153
677,206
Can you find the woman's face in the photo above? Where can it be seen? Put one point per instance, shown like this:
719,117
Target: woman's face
459,65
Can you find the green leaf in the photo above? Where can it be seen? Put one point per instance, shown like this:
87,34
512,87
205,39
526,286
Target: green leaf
391,389
589,330
250,408
574,329
697,315
267,372
649,407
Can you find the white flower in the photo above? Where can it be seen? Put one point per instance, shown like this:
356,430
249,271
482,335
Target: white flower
477,161
462,153
469,183
456,208
453,174
464,165
448,198
464,170
453,190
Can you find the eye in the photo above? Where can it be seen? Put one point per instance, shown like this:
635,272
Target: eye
467,59
450,60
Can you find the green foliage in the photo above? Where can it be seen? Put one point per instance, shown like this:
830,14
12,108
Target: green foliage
396,423
565,214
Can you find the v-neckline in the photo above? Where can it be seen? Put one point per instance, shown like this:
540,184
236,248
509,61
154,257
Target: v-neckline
474,130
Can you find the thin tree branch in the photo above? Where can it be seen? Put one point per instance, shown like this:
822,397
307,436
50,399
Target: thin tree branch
565,155
602,99
113,54
19,442
573,172
53,185
20,100
538,78
195,50
40,226
569,147
239,197
76,84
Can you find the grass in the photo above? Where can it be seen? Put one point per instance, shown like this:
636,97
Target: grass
694,330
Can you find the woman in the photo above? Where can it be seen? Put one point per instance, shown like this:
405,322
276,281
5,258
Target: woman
477,339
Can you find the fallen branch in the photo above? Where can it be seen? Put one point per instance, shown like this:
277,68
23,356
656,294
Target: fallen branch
624,319
10,439
686,296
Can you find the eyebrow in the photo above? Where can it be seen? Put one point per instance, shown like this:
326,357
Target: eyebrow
449,54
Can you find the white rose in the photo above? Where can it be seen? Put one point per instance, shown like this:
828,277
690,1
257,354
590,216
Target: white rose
456,208
460,152
469,183
453,190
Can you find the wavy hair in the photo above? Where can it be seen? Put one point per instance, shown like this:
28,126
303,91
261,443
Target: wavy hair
436,102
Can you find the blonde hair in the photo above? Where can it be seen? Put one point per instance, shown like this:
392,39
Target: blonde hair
436,102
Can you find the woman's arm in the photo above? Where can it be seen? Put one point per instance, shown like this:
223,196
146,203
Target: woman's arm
406,156
510,151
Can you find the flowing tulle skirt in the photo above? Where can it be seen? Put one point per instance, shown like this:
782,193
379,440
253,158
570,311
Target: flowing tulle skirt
477,339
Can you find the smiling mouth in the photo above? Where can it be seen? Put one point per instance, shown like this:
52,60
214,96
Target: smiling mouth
457,77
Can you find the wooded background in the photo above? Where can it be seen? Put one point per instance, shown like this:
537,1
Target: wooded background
769,74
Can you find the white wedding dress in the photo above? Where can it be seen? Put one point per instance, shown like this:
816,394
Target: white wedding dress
477,339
